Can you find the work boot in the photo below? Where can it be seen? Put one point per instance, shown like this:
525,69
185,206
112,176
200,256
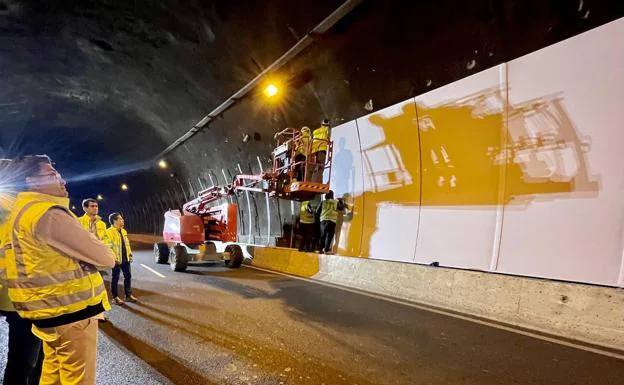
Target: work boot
131,298
118,301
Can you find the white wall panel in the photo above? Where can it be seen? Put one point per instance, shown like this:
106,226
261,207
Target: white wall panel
461,126
346,182
517,169
391,172
565,216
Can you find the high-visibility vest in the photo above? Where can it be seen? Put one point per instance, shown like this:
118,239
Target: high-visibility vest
306,214
5,247
302,146
100,227
115,239
329,210
320,133
44,283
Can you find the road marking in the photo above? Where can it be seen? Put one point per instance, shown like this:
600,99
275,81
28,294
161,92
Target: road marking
153,271
554,340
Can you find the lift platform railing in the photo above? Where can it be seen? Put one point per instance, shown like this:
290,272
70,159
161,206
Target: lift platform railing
285,159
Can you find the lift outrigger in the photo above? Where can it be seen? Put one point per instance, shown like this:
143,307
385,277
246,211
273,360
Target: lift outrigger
189,236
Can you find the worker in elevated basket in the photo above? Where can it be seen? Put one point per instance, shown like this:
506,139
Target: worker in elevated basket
301,153
320,139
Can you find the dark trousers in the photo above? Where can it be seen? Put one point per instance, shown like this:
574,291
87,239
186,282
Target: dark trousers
307,234
328,229
319,158
316,240
299,169
25,357
125,268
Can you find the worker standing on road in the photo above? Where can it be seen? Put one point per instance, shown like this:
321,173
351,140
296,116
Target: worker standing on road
91,221
94,224
306,224
320,139
316,240
123,258
301,153
329,215
52,273
25,352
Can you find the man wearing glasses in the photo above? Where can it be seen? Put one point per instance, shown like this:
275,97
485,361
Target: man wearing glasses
25,352
52,273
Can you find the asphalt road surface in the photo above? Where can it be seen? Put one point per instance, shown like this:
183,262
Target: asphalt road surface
212,325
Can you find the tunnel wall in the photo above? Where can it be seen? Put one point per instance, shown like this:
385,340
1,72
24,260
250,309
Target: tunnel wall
374,57
516,169
371,59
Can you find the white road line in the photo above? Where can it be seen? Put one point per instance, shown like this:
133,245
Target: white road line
449,314
153,271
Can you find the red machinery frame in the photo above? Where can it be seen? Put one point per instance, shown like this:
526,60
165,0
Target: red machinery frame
220,221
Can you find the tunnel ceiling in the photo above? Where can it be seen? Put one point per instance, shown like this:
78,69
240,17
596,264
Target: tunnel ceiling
102,86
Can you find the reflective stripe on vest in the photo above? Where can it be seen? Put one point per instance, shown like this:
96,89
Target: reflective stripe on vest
115,238
5,303
329,211
44,283
55,302
320,136
305,216
100,226
302,145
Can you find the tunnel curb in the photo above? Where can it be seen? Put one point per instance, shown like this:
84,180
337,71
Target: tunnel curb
591,315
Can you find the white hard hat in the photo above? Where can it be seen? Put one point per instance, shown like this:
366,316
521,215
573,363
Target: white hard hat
305,129
325,122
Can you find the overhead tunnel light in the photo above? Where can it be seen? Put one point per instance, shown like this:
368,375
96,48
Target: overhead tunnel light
163,164
100,197
124,187
271,90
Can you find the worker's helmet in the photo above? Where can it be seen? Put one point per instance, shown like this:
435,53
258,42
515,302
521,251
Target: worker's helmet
305,130
325,122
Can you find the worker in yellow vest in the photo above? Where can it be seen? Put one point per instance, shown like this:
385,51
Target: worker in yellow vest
52,273
306,225
123,258
329,209
301,153
91,221
94,224
320,139
25,354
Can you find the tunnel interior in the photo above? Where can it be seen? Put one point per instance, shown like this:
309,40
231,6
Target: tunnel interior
104,86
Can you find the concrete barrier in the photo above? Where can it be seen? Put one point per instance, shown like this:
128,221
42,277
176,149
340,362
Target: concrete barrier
145,238
589,314
143,241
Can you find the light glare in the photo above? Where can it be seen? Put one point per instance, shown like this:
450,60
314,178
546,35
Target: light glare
271,90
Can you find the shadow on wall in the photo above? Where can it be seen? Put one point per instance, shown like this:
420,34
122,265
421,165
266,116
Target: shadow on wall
461,154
